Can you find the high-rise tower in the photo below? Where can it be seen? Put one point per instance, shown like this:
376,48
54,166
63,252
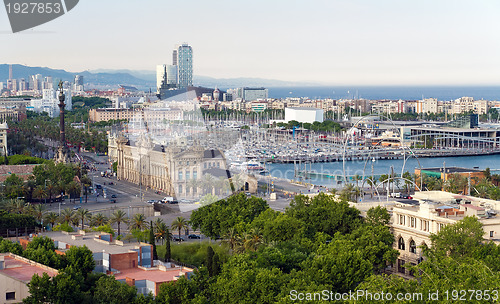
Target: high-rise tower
184,66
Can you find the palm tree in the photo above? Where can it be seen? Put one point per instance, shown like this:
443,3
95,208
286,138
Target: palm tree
67,215
232,238
99,219
179,223
86,182
162,232
40,193
118,217
51,190
29,187
37,212
17,206
51,218
139,221
357,178
83,214
252,240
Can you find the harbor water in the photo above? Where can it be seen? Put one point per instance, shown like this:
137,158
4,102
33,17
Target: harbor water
364,168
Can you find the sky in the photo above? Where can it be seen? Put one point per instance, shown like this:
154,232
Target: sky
330,42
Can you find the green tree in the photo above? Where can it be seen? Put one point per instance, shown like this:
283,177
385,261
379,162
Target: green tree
152,240
179,223
458,240
67,215
138,221
378,216
81,258
83,214
110,291
118,217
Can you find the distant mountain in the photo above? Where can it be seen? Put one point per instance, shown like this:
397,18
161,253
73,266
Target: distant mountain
142,79
112,79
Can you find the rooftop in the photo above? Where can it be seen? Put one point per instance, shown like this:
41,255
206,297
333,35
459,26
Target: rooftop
23,269
156,274
92,244
22,171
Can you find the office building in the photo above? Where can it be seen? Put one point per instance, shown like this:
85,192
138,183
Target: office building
184,66
78,85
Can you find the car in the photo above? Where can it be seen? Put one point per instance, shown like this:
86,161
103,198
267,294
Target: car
110,183
113,196
405,196
194,236
77,207
151,202
113,201
184,201
97,186
178,239
173,202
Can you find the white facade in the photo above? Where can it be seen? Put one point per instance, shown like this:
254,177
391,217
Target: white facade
160,74
49,102
3,138
309,115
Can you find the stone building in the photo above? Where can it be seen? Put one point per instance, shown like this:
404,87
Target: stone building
413,224
176,170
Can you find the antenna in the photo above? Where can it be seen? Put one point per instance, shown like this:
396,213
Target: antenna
10,71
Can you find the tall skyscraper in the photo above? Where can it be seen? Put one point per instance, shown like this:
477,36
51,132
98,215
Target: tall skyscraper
184,66
174,57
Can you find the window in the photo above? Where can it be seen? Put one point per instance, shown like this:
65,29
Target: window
413,222
10,295
413,247
401,243
401,219
195,174
187,163
180,189
180,175
187,175
424,225
491,233
218,165
401,268
440,226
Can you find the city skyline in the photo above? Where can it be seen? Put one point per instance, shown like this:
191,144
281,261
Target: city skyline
325,42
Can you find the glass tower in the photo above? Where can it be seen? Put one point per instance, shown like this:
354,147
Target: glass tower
184,66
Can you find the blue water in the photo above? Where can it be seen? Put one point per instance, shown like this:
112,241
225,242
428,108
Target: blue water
388,92
384,167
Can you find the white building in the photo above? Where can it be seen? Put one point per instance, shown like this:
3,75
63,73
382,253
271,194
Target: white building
3,138
49,102
309,115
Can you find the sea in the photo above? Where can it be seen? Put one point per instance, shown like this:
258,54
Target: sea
364,168
388,92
